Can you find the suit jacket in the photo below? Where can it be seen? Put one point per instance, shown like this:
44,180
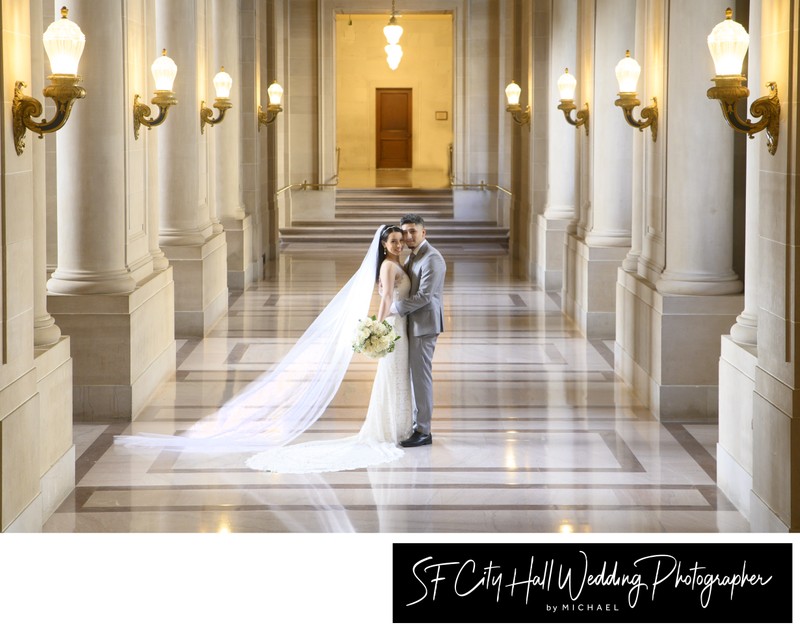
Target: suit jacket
423,307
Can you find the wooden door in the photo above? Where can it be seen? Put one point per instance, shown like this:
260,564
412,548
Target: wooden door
393,134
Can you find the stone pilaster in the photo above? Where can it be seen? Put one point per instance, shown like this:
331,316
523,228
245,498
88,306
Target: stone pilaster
738,359
775,496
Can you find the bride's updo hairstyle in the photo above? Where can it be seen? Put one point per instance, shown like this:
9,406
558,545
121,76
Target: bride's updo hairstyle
382,250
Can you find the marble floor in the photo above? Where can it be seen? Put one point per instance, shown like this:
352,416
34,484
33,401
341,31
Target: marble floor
533,432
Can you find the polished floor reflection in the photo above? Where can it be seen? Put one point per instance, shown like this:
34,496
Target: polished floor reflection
532,432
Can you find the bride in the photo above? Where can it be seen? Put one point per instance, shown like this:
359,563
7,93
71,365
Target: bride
279,406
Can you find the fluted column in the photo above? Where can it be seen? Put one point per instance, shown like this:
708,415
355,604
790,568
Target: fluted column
91,165
184,218
611,147
699,236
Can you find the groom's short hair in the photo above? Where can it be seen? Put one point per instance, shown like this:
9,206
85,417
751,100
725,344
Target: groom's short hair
412,218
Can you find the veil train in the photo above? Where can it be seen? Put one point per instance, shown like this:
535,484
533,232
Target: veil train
282,403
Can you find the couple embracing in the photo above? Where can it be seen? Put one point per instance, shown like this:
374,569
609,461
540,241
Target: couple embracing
412,294
401,403
279,406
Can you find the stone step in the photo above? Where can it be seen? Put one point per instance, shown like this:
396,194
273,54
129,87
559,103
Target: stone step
394,210
429,203
446,193
359,212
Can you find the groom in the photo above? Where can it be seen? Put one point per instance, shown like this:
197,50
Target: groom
425,319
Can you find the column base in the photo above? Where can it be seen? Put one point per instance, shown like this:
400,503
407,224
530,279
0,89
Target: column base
201,285
550,251
239,241
123,347
667,347
587,295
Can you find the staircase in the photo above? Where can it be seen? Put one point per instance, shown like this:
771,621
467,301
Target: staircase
359,212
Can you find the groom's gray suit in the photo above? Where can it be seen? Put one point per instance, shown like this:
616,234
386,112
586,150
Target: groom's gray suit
425,320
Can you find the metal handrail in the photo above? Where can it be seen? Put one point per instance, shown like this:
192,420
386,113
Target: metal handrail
483,186
305,184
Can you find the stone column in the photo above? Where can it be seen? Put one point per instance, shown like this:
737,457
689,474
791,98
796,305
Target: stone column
597,250
91,165
670,349
196,251
611,147
104,292
559,208
699,237
227,147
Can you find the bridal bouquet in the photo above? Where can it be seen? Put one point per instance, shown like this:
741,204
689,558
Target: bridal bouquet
374,339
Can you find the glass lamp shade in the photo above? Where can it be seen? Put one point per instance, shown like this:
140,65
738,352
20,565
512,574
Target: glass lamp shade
566,86
63,42
393,32
394,53
513,92
628,71
164,71
728,42
222,84
275,93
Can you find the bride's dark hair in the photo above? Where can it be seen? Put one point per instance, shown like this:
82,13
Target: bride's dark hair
381,250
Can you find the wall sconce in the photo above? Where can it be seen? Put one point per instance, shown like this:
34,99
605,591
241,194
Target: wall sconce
628,71
566,91
164,71
728,43
63,42
222,85
520,116
275,92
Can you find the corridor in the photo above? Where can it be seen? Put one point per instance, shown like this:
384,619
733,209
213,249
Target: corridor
533,433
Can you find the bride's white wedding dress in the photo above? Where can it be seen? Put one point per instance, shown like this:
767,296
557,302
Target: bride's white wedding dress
388,419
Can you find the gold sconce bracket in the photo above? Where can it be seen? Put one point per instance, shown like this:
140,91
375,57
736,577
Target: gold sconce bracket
265,118
163,99
520,116
207,115
728,90
63,90
627,101
581,116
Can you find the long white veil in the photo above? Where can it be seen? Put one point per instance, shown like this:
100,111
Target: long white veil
282,403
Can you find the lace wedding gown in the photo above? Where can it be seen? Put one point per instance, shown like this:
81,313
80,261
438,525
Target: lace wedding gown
388,419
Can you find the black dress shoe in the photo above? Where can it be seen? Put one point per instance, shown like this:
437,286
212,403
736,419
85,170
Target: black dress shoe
417,439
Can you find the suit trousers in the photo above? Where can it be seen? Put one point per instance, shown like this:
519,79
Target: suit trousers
420,362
